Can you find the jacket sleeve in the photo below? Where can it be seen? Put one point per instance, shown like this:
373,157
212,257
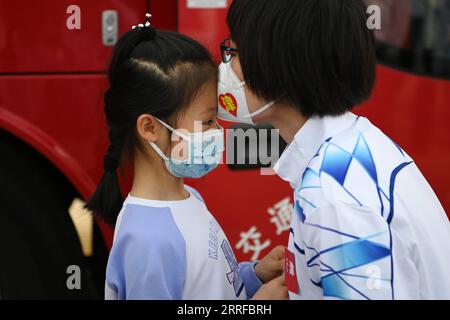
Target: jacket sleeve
349,252
251,281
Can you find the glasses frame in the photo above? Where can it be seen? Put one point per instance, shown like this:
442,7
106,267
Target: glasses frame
227,52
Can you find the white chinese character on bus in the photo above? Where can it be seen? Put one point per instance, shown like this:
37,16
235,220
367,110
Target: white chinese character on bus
251,242
281,215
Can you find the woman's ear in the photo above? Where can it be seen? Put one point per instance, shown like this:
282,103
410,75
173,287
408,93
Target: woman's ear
148,128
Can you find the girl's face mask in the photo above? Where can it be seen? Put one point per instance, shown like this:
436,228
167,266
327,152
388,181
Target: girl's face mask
233,104
205,151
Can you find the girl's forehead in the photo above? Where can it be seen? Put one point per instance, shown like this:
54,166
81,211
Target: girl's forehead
205,100
200,112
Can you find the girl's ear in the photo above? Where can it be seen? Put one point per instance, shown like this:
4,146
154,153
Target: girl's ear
148,128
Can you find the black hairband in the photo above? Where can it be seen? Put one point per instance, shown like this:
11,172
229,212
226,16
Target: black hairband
110,163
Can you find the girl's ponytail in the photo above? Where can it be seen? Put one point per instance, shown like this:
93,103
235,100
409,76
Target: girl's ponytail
107,199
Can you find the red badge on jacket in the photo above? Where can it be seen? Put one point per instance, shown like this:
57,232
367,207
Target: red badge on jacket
291,273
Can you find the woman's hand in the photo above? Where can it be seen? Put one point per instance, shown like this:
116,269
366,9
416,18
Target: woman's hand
271,266
274,290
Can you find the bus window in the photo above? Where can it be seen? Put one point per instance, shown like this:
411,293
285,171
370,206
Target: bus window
415,36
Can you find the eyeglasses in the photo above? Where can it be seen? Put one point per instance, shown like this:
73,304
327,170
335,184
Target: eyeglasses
227,51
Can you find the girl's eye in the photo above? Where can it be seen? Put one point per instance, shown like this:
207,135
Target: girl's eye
210,122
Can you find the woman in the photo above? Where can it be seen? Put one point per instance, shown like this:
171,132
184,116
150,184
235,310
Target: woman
367,225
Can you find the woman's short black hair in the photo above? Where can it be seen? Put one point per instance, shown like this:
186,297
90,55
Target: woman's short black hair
318,54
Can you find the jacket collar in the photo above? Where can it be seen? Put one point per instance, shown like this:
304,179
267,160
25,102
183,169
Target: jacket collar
306,144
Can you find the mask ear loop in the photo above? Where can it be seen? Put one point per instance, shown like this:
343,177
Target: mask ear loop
178,133
158,151
254,114
242,84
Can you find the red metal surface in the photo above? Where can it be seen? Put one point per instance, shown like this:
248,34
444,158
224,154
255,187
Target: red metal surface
164,14
206,25
34,36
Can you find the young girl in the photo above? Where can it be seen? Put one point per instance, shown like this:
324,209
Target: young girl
167,245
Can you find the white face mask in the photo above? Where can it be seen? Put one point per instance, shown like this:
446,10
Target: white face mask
233,104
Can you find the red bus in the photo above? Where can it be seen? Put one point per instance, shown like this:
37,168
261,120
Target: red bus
53,135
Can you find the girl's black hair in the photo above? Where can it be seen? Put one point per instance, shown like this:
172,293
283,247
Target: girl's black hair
151,72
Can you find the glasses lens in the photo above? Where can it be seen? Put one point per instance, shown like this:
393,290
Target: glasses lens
224,56
225,51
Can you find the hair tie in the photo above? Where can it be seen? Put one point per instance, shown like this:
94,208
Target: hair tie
110,163
146,27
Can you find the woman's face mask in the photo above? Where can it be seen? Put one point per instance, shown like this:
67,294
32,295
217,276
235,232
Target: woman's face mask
205,151
233,104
